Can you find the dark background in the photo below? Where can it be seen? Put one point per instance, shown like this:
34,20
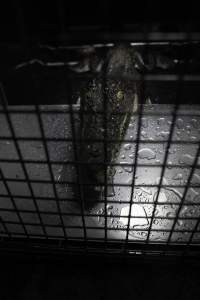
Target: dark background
47,20
82,277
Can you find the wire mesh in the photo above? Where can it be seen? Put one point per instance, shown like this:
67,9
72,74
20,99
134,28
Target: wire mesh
42,186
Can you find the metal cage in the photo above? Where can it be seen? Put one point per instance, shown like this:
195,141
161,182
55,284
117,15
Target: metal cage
153,211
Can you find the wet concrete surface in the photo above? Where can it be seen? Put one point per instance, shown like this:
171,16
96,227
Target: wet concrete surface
155,127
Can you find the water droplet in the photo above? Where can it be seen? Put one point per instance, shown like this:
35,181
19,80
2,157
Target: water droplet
143,234
144,134
161,197
109,206
144,122
188,127
179,123
186,159
128,169
136,210
161,121
169,214
157,161
192,195
193,138
163,134
127,146
146,153
194,123
169,164
195,179
131,156
180,223
110,191
156,212
178,176
155,222
172,150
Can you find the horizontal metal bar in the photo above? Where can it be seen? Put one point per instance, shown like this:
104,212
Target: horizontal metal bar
64,110
171,186
92,35
99,201
108,141
83,163
98,243
98,215
99,228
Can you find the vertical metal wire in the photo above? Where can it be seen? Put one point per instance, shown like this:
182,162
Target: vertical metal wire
194,230
134,173
174,117
184,195
183,71
76,158
50,168
141,97
13,202
7,115
163,169
105,110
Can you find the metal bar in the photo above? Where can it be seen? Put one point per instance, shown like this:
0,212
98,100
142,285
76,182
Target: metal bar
92,200
105,157
134,174
185,192
170,187
170,77
100,229
113,141
97,215
193,232
76,111
94,244
112,37
78,170
174,116
14,205
193,165
50,168
163,169
135,160
82,163
4,104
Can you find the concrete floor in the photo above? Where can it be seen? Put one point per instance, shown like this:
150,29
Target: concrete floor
57,125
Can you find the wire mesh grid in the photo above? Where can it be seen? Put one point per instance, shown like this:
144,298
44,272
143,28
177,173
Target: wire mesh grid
154,207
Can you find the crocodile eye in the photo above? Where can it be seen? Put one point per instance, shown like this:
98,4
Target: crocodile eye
120,95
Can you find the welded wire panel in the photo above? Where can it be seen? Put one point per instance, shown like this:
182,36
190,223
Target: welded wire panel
39,184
